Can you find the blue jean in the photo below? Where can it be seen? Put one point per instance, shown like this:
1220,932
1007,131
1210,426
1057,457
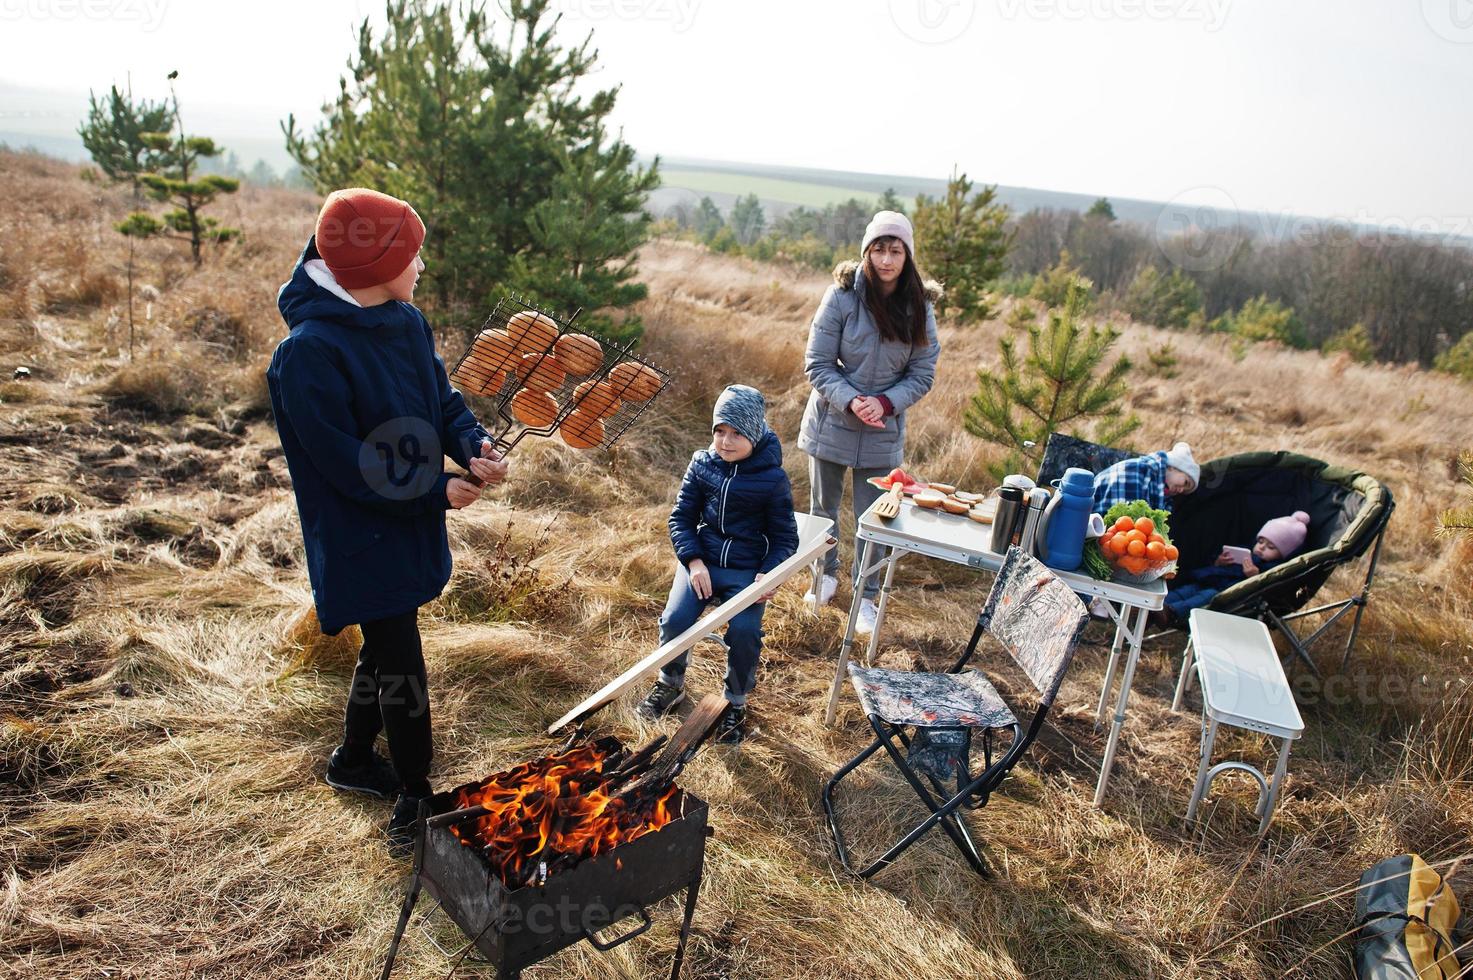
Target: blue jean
743,633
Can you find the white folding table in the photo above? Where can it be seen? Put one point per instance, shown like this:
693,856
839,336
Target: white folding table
1243,685
936,534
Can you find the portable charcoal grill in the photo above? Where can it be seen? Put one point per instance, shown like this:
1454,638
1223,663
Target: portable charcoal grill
513,927
488,370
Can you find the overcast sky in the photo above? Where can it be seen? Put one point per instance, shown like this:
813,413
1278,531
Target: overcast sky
1356,109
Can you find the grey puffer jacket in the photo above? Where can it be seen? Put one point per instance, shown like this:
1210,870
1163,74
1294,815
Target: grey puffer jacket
845,359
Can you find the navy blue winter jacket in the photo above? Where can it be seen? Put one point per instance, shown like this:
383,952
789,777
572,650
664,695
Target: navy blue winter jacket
366,416
736,515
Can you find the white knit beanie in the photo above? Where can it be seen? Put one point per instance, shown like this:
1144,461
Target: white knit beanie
1180,456
892,224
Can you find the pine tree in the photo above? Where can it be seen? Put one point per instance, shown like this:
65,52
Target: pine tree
178,181
1059,384
1101,208
708,220
889,202
480,122
113,134
962,242
747,219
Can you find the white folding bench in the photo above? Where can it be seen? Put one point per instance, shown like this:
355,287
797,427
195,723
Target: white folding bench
1243,685
815,536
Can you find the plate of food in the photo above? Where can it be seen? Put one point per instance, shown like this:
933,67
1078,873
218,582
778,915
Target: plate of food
909,484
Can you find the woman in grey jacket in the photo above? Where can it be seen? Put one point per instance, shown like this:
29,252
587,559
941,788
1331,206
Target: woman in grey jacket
871,355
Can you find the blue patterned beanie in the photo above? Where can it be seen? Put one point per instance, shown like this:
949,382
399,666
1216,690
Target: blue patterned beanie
742,408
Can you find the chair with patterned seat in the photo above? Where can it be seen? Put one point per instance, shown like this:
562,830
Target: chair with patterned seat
1038,620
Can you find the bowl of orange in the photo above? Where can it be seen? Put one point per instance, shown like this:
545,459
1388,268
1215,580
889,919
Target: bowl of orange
1138,551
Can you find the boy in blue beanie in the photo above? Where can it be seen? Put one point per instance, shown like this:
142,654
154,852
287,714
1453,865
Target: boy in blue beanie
732,524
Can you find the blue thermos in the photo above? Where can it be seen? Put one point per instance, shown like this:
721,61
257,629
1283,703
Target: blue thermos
1061,539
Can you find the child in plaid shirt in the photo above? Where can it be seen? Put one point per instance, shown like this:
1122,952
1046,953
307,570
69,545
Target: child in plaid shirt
1154,478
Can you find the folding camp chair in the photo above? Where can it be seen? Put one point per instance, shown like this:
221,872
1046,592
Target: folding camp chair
1038,620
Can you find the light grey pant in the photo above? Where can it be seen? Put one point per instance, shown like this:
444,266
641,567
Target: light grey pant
826,493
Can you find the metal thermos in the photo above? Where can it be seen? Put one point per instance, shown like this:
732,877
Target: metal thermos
1037,501
1005,522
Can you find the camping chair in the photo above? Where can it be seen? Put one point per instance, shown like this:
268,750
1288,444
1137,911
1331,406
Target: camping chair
1348,513
1038,620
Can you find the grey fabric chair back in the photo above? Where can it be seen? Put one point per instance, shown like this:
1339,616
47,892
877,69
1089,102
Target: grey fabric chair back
1037,618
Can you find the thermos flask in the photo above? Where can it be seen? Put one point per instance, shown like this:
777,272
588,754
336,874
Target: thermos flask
1010,510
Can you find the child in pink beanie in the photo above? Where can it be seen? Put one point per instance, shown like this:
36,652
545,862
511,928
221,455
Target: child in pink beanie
1277,540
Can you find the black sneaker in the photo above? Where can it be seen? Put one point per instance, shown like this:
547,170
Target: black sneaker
376,777
660,701
732,728
403,825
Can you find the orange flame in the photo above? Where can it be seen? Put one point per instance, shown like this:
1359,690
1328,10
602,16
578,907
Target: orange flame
557,811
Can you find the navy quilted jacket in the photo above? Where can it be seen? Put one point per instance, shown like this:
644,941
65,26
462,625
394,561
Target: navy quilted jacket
736,515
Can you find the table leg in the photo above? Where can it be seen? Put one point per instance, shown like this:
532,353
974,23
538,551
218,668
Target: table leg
1134,624
847,644
1272,799
1209,737
1121,618
874,638
1187,659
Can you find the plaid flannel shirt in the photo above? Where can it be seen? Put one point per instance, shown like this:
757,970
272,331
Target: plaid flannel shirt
1138,478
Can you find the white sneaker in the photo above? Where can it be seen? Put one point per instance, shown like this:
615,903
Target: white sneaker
827,586
865,624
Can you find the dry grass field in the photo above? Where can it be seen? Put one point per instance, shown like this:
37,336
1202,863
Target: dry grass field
167,705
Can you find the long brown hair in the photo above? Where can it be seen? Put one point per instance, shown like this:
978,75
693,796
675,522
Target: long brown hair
902,314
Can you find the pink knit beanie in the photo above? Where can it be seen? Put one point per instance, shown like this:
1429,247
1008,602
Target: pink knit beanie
1286,533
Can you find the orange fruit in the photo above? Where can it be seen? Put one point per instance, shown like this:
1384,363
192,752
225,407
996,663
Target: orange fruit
1154,536
532,333
579,353
635,382
1105,540
581,430
1155,551
1170,552
534,409
596,398
1145,525
1117,545
1125,524
1136,536
1136,548
541,372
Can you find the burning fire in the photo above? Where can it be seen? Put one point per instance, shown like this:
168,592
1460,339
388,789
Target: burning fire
554,811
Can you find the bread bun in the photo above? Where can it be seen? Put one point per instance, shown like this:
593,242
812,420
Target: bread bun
953,506
635,382
579,354
981,516
541,372
534,409
946,488
929,499
970,498
532,333
581,430
596,398
484,369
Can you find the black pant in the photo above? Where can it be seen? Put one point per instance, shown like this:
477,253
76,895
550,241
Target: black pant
389,695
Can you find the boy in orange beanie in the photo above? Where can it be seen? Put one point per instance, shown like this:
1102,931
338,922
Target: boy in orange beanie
366,417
